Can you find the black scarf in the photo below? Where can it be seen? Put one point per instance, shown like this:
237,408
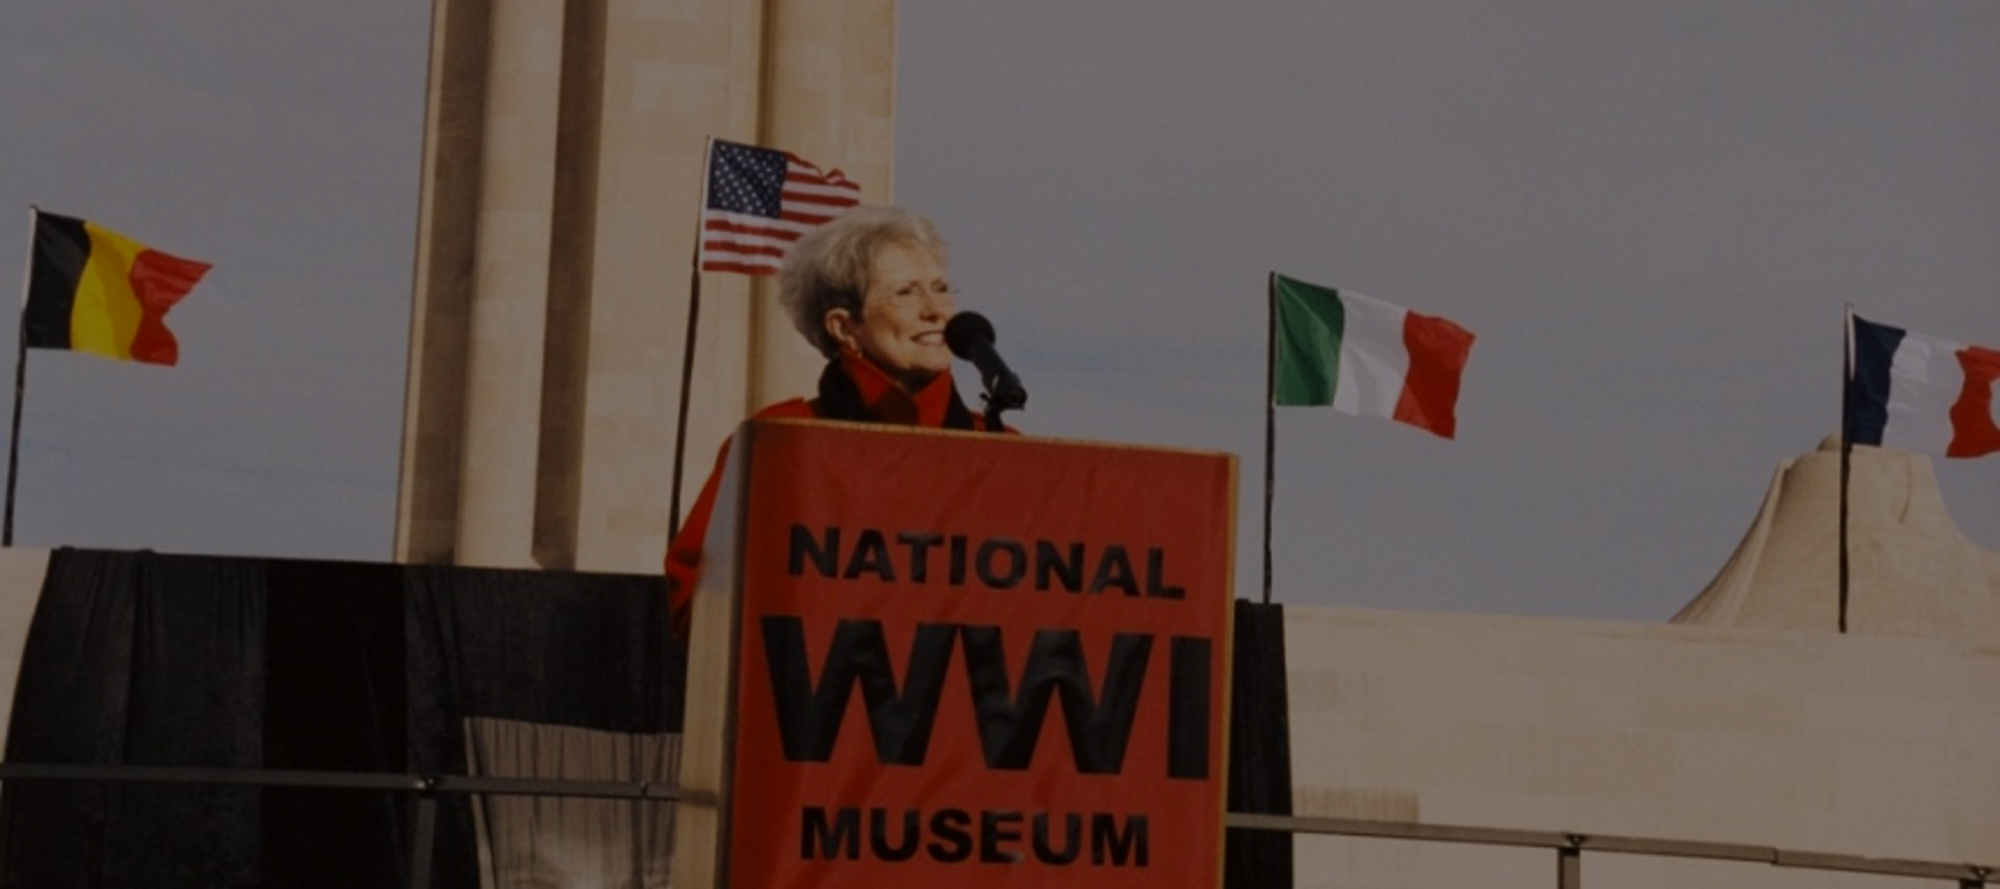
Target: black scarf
840,399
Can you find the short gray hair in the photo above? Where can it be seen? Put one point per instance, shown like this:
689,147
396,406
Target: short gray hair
828,268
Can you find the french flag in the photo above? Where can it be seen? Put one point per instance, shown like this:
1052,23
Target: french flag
1918,393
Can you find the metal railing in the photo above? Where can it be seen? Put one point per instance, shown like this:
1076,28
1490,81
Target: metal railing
425,788
1569,847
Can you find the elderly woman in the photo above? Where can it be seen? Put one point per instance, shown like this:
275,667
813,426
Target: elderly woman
869,290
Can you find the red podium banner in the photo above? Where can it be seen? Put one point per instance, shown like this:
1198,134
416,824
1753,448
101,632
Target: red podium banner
976,660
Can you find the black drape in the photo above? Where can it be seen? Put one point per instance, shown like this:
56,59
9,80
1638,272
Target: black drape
513,645
335,698
142,659
137,659
1260,749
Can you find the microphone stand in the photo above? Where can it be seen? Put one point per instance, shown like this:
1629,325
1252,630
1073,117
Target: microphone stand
994,406
1001,390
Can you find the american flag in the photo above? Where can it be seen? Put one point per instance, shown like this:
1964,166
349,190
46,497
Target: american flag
760,200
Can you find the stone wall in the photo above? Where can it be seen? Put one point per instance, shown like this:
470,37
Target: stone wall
1878,746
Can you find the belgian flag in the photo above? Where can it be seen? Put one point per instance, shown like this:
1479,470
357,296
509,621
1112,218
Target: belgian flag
94,290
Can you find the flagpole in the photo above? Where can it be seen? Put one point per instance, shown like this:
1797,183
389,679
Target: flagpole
687,349
1270,417
1846,447
687,377
20,377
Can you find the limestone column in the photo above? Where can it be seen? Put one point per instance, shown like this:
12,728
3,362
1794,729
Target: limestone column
814,78
829,95
673,76
510,286
557,223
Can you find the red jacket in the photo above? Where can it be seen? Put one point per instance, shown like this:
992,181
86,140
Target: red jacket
886,403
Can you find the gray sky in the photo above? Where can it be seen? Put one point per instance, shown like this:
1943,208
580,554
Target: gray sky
1650,212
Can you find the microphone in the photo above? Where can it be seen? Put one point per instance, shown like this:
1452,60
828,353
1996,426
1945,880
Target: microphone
970,337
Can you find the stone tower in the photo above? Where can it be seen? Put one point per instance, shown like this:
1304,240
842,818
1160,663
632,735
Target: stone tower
561,175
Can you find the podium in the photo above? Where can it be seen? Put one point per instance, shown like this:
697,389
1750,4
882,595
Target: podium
924,658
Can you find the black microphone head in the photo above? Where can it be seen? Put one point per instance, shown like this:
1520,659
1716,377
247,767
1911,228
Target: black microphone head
964,329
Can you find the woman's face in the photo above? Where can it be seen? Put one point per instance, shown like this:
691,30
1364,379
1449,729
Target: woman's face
901,323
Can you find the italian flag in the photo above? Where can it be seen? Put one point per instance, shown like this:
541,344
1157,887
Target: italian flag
91,289
1364,357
